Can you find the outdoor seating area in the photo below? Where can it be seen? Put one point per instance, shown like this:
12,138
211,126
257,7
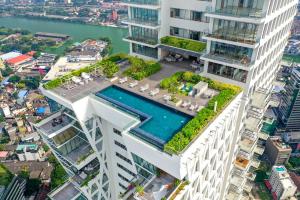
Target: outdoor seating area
241,163
55,124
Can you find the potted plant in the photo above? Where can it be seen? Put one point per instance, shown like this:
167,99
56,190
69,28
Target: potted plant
140,190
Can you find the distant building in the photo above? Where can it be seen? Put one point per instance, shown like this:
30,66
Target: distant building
114,15
282,185
29,152
15,190
52,36
293,139
296,180
9,55
19,60
277,151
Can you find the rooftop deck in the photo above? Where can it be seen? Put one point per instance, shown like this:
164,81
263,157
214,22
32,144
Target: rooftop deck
66,191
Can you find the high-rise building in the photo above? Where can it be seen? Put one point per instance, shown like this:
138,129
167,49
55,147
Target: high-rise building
277,151
244,46
15,190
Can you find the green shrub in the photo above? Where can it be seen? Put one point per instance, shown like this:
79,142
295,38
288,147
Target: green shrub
195,126
182,43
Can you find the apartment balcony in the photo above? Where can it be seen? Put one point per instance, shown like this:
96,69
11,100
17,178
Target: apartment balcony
251,176
232,194
241,163
260,99
142,23
248,186
251,15
262,135
150,42
67,191
83,176
255,163
148,4
253,123
259,149
237,180
55,124
227,60
248,141
233,36
158,187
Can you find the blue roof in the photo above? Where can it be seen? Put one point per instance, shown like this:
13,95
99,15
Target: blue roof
5,81
40,110
22,94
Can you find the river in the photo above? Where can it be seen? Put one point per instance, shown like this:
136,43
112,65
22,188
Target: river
78,32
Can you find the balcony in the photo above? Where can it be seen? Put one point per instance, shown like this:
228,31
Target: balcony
83,176
253,123
262,135
236,180
55,124
260,99
227,59
248,186
248,141
150,4
238,11
139,22
151,42
241,163
255,163
259,149
64,192
251,176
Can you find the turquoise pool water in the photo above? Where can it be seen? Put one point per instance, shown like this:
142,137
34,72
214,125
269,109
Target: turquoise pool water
280,169
163,123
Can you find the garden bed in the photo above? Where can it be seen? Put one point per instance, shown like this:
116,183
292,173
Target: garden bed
182,43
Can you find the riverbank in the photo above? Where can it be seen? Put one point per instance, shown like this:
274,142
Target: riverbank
77,31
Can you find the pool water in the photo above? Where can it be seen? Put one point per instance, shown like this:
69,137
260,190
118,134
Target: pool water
280,169
164,122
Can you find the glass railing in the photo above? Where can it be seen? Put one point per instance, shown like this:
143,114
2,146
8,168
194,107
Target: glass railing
151,41
143,2
235,35
240,11
230,59
141,22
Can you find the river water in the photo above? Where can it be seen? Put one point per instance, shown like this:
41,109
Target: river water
78,32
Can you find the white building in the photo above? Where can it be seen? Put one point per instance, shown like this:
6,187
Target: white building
281,183
29,152
245,41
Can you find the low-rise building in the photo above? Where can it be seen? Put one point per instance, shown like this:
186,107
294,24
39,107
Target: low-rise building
51,36
29,152
293,139
282,185
277,151
18,61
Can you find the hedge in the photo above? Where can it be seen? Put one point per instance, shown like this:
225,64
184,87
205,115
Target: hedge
140,68
108,65
182,43
195,127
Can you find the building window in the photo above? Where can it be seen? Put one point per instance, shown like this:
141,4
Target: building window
125,169
122,186
120,145
123,178
117,132
123,158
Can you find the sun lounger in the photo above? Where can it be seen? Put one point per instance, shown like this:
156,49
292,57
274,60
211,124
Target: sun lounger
167,97
144,88
185,104
133,84
86,76
123,80
193,107
154,92
77,80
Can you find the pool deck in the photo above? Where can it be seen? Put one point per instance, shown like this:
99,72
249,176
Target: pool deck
167,70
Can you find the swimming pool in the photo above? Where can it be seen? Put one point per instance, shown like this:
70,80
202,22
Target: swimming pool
161,122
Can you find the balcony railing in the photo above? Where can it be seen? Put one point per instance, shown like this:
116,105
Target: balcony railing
141,22
150,41
240,12
228,59
142,2
255,163
259,149
241,163
235,35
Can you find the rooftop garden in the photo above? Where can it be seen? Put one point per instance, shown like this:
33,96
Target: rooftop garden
182,43
108,66
195,127
140,68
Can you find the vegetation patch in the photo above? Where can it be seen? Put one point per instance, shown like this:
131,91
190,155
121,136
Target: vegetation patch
58,175
187,44
5,175
195,127
140,68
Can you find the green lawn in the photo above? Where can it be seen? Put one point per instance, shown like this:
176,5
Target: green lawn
263,192
5,176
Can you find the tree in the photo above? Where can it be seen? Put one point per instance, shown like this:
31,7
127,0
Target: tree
21,85
32,186
14,79
31,83
7,71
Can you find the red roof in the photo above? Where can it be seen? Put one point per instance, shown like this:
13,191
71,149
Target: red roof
31,53
3,154
18,59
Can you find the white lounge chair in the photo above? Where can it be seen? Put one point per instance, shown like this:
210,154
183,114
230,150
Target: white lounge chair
86,76
167,97
154,92
133,84
123,80
77,80
193,107
185,104
144,88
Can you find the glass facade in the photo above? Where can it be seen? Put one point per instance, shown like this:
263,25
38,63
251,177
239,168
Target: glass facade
228,72
145,35
235,31
145,169
188,15
145,51
142,15
247,8
185,33
240,54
